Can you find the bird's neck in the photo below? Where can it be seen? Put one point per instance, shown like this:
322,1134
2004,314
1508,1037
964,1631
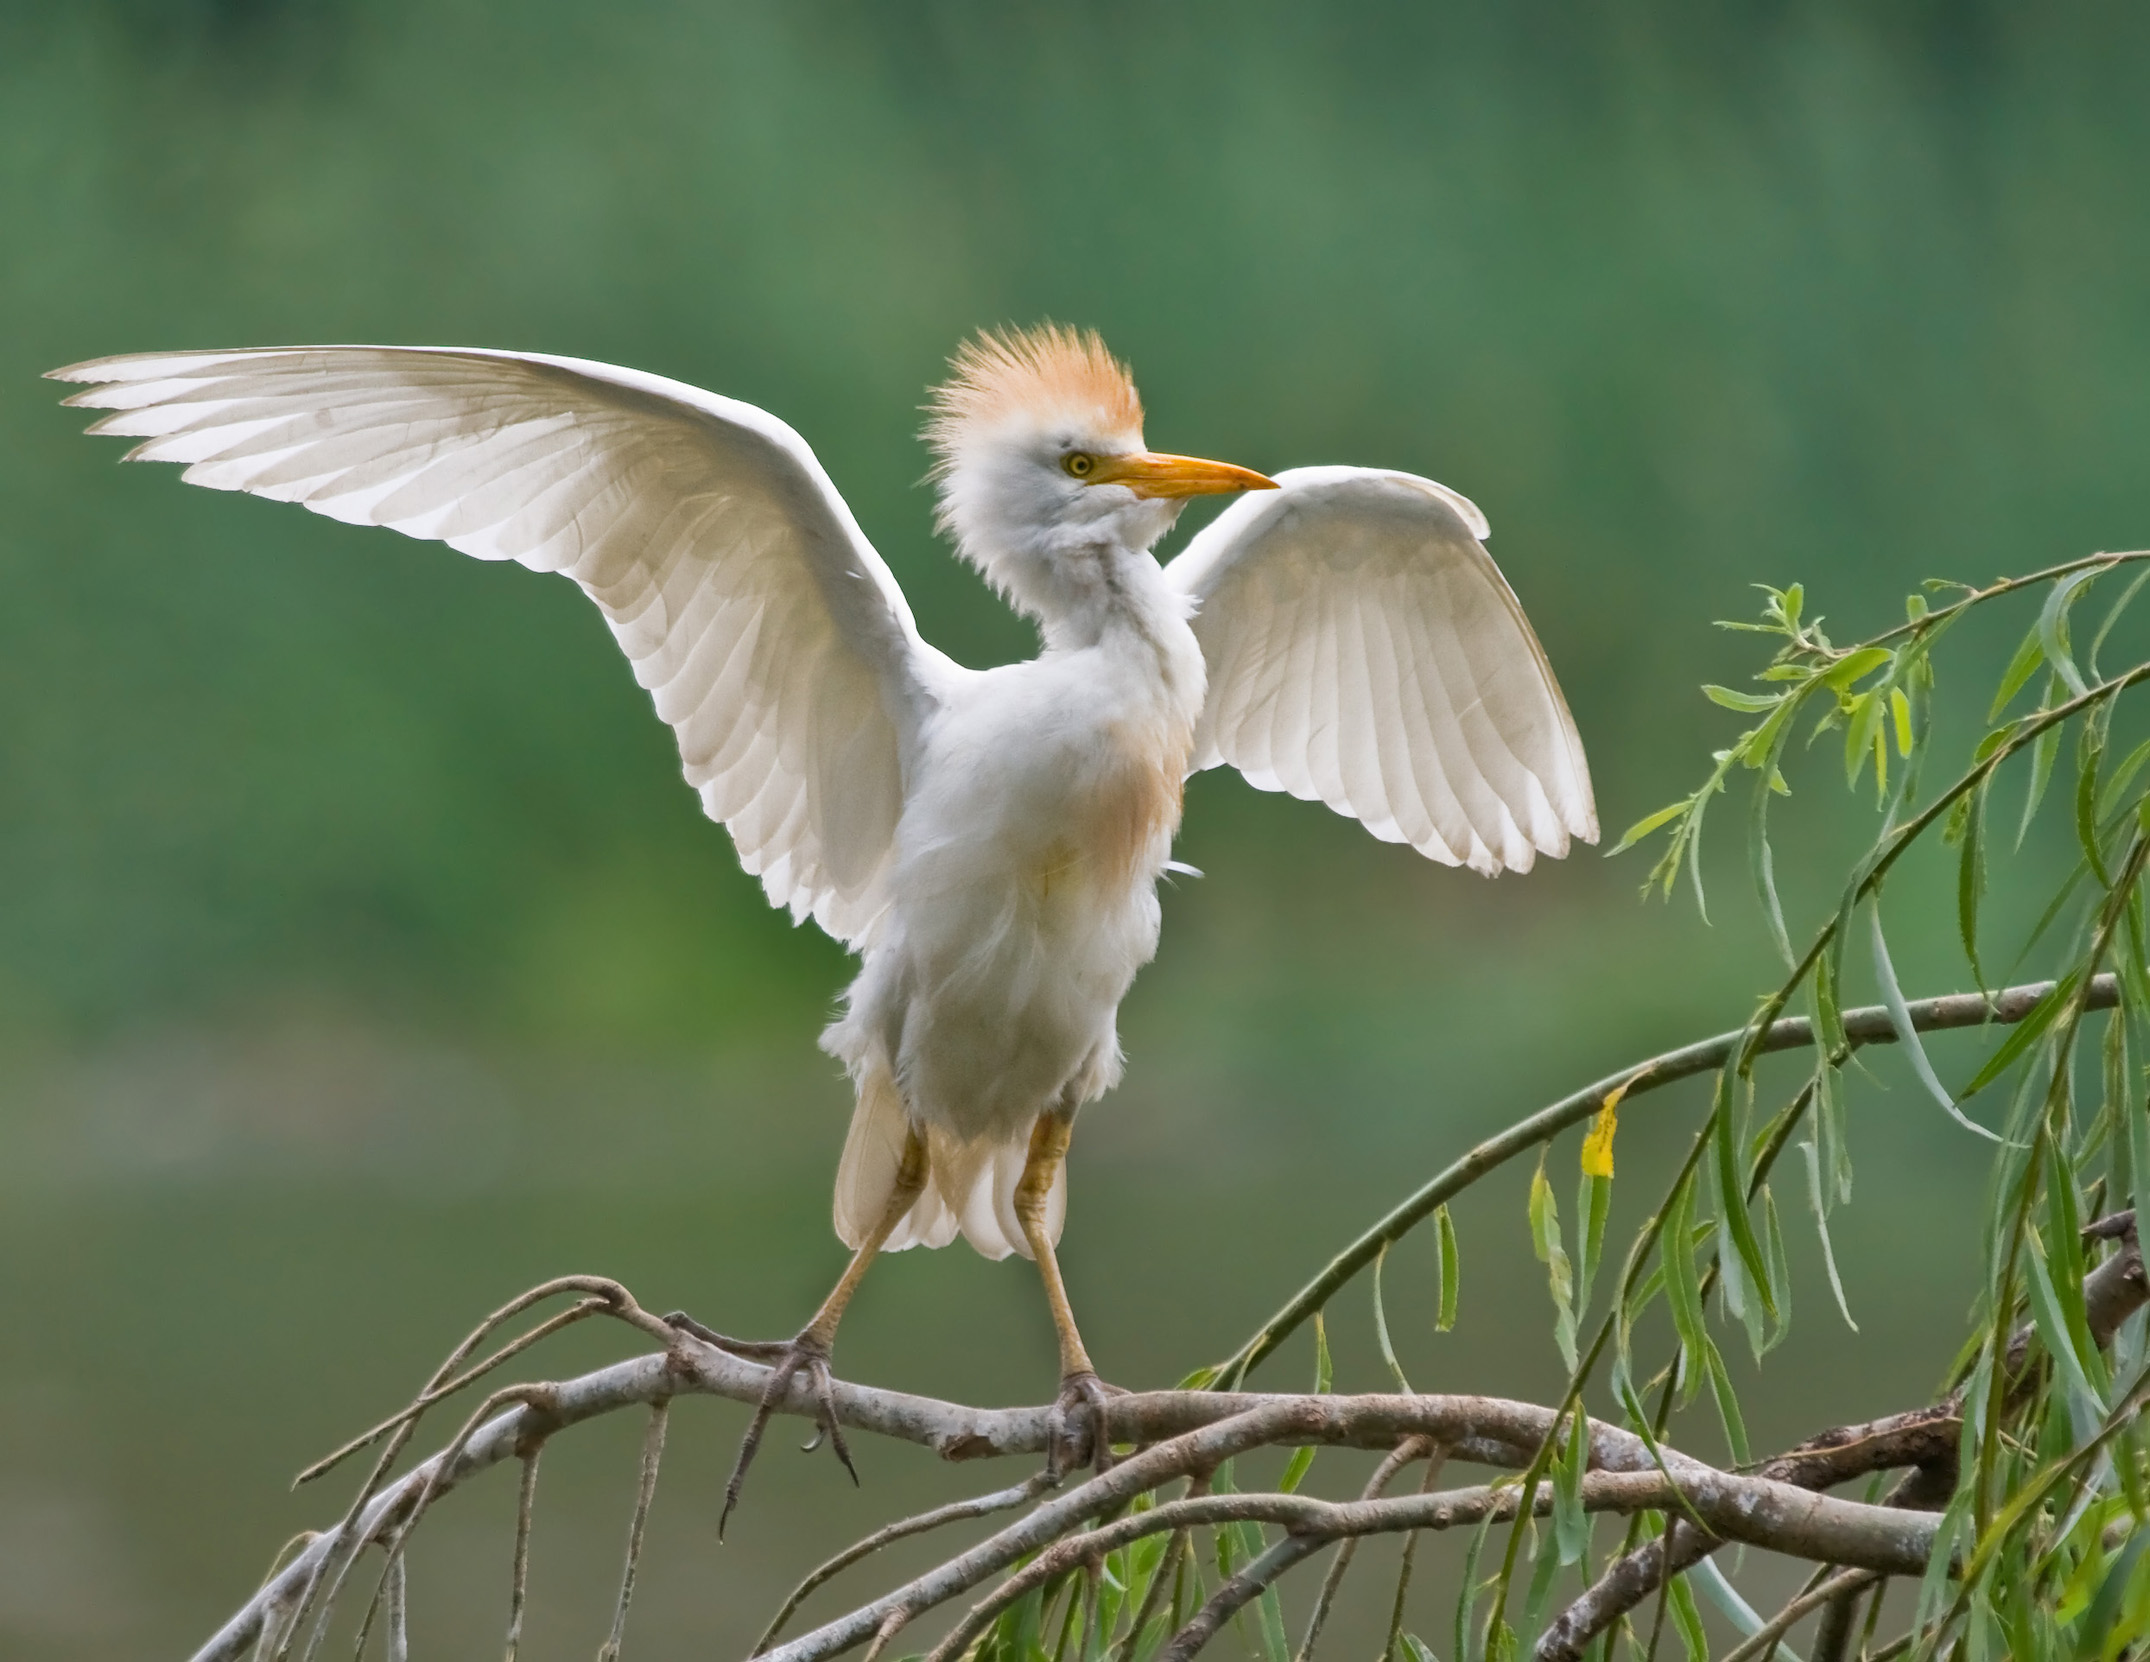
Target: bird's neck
1104,591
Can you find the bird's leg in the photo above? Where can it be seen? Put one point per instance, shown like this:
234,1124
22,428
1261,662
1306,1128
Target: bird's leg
809,1352
1082,1394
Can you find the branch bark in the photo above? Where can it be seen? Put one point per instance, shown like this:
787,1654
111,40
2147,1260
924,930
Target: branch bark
1183,1433
1187,1430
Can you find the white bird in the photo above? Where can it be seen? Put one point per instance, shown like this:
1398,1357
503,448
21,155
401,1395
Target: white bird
988,841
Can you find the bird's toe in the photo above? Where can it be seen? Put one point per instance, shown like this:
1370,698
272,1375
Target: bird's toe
1076,1427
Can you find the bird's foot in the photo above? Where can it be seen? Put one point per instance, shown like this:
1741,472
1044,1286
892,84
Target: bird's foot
1075,1430
785,1359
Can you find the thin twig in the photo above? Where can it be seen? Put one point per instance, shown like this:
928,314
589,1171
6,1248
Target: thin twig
399,1614
432,1396
660,1413
1869,1025
1410,1551
979,1506
1166,1574
1763,1640
519,1573
1412,1448
1240,1589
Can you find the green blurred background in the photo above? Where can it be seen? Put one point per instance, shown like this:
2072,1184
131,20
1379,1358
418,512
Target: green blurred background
363,959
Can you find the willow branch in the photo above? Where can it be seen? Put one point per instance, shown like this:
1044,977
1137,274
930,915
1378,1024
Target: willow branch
1868,1025
1926,1440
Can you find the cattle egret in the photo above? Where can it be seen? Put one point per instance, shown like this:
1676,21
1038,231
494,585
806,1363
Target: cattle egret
989,842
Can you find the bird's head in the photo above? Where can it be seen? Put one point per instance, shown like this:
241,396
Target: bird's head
1043,476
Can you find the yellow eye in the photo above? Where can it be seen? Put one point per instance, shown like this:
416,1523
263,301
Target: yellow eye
1080,463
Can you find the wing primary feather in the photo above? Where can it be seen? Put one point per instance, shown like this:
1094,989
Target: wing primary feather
766,629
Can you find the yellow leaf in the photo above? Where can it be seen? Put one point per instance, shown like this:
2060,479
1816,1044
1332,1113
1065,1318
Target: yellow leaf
1900,708
1598,1145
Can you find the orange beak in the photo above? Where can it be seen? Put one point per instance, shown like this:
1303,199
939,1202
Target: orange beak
1148,474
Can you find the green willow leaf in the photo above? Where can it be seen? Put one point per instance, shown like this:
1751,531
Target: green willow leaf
1833,1133
1680,1597
1451,1269
1762,866
1545,1242
2121,777
1971,877
2086,1406
1732,1210
2020,669
1746,703
1593,1202
1648,823
1381,1325
1821,1230
2025,1033
2127,597
2053,626
1710,1577
1468,1591
2045,749
1855,666
1269,1619
1571,1525
1907,1034
2090,752
1780,1269
1684,1287
1302,1460
1735,1427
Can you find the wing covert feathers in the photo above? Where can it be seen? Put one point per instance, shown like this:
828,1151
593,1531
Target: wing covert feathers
1364,651
767,631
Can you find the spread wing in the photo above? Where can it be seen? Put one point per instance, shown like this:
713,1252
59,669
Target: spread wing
1363,649
770,634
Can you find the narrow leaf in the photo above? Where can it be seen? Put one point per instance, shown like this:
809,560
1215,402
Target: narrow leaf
2020,669
1780,1268
1900,709
1856,666
1650,822
2086,1407
1545,1241
2089,753
1451,1269
1732,1210
1907,1034
2053,626
2025,1033
2044,749
1681,1599
1571,1525
1735,1427
1742,1615
1821,1228
1594,1201
1381,1325
1597,1154
2122,776
1302,1460
1683,1287
1269,1617
1762,863
1748,703
1971,877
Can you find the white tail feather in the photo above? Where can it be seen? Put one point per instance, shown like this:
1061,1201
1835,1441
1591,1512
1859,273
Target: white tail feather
971,1185
873,1151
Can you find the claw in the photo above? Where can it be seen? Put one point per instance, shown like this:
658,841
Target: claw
1076,1428
766,1351
787,1360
